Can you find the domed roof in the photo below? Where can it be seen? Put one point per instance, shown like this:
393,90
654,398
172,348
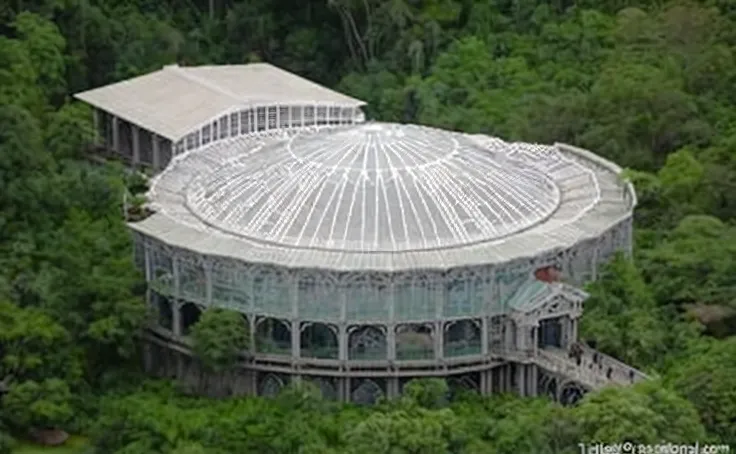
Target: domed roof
373,188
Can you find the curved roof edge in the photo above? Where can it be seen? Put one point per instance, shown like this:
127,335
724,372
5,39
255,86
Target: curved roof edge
608,165
614,207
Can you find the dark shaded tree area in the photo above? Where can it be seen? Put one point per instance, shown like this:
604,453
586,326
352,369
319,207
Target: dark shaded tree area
649,85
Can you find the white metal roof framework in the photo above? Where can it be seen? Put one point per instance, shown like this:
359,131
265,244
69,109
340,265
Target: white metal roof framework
175,101
383,197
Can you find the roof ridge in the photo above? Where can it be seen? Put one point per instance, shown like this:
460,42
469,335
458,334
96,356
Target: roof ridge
181,71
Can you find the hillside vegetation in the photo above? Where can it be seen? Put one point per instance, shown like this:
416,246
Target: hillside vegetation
649,85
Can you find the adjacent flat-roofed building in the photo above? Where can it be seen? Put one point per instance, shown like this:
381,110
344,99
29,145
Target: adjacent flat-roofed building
148,119
362,255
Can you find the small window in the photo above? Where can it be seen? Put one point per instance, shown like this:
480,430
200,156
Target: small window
261,119
309,116
333,117
223,127
234,124
272,112
206,135
244,122
197,140
283,117
297,114
346,115
190,141
321,115
214,131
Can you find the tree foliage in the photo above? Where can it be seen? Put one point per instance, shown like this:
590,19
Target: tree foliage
646,84
220,336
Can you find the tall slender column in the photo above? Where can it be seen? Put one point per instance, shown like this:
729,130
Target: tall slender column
343,342
392,385
148,272
252,334
208,284
295,339
136,144
96,120
293,282
520,378
532,380
594,264
391,341
115,134
346,389
156,161
391,327
176,318
176,306
344,336
439,340
439,307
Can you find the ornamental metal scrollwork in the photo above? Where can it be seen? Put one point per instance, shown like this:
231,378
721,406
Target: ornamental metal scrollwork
547,385
367,393
367,342
271,386
327,387
464,382
414,341
462,337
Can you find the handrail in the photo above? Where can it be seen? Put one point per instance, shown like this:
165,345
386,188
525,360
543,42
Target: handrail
609,361
588,372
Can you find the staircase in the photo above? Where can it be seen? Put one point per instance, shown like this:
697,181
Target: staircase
594,371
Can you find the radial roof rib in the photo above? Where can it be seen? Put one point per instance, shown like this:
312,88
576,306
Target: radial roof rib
174,101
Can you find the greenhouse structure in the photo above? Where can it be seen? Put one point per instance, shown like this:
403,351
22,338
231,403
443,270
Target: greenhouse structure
360,254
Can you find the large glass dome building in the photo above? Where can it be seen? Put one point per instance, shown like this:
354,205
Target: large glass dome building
363,255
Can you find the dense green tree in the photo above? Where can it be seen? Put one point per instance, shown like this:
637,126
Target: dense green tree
6,443
44,404
706,379
648,84
694,263
220,336
622,317
429,393
646,413
33,346
405,432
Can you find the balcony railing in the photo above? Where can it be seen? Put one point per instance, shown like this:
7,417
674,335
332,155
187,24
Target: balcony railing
272,347
462,348
320,352
413,352
367,354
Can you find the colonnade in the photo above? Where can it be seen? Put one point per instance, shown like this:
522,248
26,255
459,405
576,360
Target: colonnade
137,145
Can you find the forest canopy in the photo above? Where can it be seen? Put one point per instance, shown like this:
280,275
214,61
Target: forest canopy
648,85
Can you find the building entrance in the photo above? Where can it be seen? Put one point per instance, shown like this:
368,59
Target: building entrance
550,333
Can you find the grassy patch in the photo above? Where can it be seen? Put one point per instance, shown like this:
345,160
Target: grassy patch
75,445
